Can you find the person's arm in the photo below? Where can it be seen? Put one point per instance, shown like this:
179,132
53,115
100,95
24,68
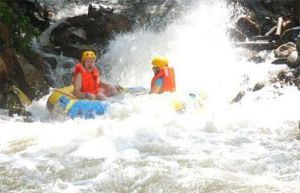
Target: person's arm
157,87
101,96
109,89
77,89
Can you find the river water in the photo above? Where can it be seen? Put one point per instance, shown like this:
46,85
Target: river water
144,145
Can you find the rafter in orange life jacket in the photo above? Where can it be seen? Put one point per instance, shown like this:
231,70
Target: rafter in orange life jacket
168,75
90,80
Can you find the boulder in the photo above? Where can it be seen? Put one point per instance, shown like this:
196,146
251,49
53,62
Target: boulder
65,33
238,97
286,76
97,27
293,60
236,35
247,26
14,100
258,86
279,61
69,64
51,61
3,71
34,79
284,50
67,78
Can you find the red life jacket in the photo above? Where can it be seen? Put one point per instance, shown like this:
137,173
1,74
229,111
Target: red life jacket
90,80
167,73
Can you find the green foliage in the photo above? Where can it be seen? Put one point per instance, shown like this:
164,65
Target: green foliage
21,29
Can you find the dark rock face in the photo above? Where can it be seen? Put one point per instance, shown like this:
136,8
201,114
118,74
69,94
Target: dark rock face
298,43
82,32
3,71
263,19
296,11
40,16
18,71
51,61
247,26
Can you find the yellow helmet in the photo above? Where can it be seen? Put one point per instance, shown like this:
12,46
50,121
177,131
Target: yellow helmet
160,61
88,54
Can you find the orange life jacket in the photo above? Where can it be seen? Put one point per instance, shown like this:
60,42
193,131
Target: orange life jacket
168,75
90,80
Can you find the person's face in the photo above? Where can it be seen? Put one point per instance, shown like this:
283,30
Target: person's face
89,64
155,69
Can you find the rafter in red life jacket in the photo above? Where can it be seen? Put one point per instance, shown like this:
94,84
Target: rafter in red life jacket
90,80
168,75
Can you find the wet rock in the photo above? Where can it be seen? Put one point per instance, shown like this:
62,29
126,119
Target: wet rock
238,97
3,71
65,33
236,35
51,61
296,72
256,59
288,23
253,56
105,25
95,28
267,3
287,76
293,60
247,26
51,49
279,61
256,45
266,12
296,81
69,64
98,12
14,100
6,51
33,77
298,43
67,78
296,11
258,86
37,60
285,50
289,35
14,67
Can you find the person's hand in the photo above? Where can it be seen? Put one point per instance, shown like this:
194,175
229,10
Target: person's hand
91,96
101,96
119,88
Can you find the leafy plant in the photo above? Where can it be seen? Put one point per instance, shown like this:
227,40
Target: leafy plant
21,29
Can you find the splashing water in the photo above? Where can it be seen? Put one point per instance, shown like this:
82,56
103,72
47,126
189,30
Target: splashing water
143,145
